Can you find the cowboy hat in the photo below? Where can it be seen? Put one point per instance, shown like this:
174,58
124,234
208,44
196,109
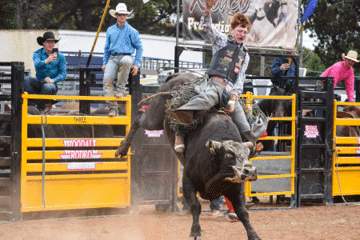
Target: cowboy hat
121,9
46,36
352,55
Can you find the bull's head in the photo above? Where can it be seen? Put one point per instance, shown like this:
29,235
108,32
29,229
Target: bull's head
281,107
236,154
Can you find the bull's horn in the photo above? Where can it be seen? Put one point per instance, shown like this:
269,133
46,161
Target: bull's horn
248,144
213,144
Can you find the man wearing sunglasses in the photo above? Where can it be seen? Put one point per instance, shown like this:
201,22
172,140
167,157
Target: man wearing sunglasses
121,42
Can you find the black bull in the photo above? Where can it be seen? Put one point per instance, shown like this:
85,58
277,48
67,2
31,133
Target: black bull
215,161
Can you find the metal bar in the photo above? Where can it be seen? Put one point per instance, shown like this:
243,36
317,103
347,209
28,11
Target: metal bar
98,31
17,80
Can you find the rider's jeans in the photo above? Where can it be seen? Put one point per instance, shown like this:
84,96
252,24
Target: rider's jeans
120,65
35,86
209,97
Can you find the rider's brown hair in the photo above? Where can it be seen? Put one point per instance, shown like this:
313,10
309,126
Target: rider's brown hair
240,19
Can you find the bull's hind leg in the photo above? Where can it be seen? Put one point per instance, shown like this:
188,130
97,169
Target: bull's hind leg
126,143
189,192
238,202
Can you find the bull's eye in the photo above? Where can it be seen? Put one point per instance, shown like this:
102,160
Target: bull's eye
228,155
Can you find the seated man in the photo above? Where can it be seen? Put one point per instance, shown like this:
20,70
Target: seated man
226,77
50,69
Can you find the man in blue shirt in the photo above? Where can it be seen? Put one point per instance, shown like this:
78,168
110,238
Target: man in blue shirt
121,42
50,69
281,68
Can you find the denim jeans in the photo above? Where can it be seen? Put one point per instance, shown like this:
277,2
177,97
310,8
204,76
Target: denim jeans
216,203
120,65
35,86
209,97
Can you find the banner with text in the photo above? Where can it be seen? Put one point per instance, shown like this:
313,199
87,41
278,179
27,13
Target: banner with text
273,22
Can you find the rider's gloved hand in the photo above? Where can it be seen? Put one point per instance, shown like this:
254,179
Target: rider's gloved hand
231,103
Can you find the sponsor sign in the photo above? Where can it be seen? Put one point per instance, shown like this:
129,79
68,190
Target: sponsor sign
273,22
81,165
154,133
81,154
80,143
311,131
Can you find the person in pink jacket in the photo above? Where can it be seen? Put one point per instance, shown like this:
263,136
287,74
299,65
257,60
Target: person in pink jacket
343,71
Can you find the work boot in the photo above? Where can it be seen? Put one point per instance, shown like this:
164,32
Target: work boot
179,143
113,112
184,116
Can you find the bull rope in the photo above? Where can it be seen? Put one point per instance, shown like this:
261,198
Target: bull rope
152,96
338,178
43,159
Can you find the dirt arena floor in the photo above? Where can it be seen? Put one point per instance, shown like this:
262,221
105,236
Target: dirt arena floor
306,222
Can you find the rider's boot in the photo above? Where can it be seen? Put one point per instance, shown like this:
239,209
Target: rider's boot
179,143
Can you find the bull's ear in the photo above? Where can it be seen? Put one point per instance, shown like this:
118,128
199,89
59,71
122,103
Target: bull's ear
248,144
213,145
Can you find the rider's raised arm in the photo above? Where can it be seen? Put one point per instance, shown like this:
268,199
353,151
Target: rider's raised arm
218,39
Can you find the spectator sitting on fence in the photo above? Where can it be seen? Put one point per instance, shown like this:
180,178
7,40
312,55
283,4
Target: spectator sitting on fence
121,42
281,68
50,68
343,71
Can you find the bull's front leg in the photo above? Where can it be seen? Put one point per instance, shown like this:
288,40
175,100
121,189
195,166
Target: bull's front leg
238,202
195,207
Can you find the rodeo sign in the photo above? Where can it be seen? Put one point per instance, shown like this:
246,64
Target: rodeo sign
273,22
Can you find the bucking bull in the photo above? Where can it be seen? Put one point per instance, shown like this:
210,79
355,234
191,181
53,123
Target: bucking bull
215,161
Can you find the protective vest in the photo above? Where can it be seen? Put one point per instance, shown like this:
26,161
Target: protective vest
227,62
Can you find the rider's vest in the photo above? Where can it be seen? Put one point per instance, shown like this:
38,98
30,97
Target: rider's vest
227,62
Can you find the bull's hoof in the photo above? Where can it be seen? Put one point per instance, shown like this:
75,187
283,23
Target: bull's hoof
195,238
120,152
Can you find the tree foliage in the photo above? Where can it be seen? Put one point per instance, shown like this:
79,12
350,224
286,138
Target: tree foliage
150,18
336,25
312,63
154,17
7,15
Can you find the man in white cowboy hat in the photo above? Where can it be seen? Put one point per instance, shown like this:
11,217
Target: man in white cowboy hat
50,69
121,42
343,71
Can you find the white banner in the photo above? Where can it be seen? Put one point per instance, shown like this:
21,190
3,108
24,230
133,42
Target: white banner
273,21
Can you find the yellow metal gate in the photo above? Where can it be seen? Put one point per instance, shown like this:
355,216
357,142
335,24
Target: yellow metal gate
276,171
73,173
346,160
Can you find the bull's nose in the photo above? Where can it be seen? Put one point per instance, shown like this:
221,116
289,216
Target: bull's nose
250,171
